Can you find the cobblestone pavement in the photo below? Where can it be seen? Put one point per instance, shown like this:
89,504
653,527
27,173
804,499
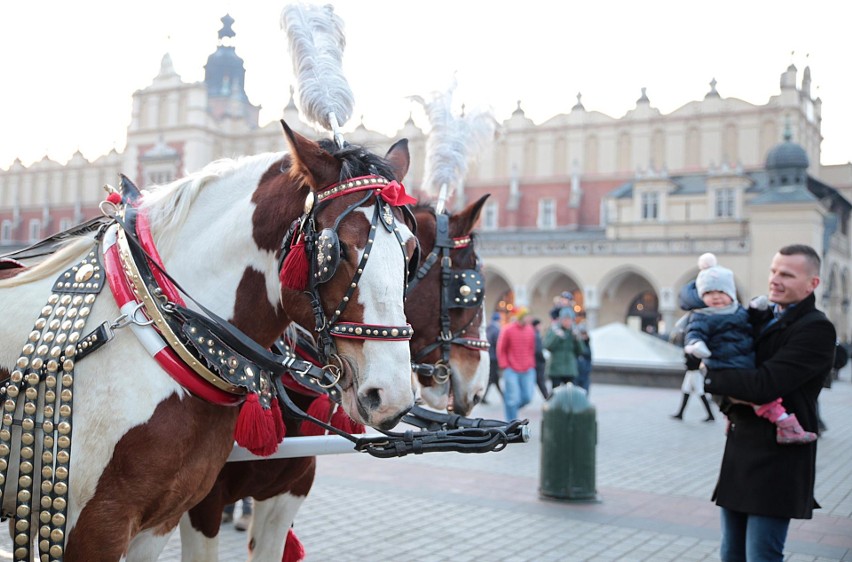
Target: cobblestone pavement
654,479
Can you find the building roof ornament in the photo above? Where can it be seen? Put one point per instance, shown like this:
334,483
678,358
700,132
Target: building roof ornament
579,105
713,93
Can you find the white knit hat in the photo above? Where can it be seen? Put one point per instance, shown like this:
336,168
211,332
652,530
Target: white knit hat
716,278
707,260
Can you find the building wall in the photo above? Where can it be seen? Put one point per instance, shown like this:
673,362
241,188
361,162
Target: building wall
598,246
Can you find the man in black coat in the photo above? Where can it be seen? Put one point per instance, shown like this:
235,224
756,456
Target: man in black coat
762,484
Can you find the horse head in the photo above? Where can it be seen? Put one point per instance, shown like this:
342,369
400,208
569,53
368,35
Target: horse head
354,240
446,308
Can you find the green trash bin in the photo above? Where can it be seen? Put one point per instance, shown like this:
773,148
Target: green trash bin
568,439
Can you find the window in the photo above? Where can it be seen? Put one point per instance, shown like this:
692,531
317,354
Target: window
546,213
725,203
650,205
491,218
6,231
35,229
159,177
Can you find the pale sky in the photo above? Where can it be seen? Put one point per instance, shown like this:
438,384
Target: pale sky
70,67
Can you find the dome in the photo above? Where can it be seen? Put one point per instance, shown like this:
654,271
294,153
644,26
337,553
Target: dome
787,154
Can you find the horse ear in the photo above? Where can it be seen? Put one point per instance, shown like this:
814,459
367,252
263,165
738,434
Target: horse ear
399,158
310,164
465,219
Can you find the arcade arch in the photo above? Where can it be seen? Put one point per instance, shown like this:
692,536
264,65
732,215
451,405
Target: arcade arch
629,297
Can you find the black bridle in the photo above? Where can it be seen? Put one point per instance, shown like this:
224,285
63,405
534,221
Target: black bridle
460,288
323,253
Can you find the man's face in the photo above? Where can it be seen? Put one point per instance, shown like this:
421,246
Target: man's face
791,279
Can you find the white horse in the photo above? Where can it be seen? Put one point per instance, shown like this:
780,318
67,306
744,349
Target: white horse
144,448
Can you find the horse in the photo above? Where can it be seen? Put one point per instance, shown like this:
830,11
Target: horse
279,486
451,365
233,238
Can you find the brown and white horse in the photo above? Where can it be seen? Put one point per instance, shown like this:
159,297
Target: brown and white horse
144,449
279,486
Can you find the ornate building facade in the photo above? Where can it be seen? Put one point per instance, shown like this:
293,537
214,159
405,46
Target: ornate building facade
616,210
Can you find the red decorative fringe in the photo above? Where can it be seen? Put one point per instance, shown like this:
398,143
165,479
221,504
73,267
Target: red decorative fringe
294,550
341,420
320,408
114,198
294,270
255,429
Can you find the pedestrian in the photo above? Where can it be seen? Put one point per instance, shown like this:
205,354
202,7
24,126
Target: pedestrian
516,358
584,360
693,384
492,333
244,520
721,335
563,300
540,361
564,348
761,485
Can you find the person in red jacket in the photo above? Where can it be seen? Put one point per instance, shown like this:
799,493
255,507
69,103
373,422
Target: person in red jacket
516,358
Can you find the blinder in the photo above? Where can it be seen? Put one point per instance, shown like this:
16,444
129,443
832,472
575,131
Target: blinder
466,289
327,255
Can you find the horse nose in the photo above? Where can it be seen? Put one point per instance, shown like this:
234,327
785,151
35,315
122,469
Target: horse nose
372,398
373,405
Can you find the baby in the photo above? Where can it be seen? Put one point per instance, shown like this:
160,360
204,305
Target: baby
721,335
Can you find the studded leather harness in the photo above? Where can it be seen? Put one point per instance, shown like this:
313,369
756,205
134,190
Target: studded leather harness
459,289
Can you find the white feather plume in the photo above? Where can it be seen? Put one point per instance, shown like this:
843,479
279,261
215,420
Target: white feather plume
453,141
317,41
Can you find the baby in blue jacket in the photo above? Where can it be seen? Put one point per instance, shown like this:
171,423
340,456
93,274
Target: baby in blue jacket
720,333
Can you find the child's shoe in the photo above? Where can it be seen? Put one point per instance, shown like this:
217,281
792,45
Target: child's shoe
790,432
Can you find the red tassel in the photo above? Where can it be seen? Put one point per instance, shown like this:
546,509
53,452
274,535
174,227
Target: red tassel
294,550
114,198
341,420
277,420
320,408
255,430
294,270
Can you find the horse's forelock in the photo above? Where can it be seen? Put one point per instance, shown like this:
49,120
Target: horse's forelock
357,160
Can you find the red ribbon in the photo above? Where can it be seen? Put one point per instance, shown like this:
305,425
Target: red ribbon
394,193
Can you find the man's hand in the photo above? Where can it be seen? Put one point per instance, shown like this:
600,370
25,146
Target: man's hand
697,348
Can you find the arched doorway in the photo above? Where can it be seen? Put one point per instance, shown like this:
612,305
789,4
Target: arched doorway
629,298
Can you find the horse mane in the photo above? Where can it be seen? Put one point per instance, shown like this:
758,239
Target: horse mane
58,260
168,205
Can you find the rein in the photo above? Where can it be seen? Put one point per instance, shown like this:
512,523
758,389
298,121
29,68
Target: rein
459,289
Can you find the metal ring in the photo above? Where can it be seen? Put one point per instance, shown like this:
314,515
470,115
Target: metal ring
132,316
333,370
105,205
441,374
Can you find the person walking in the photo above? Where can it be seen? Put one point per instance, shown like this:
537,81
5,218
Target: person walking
584,360
241,524
540,361
516,358
492,334
693,384
564,348
762,485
